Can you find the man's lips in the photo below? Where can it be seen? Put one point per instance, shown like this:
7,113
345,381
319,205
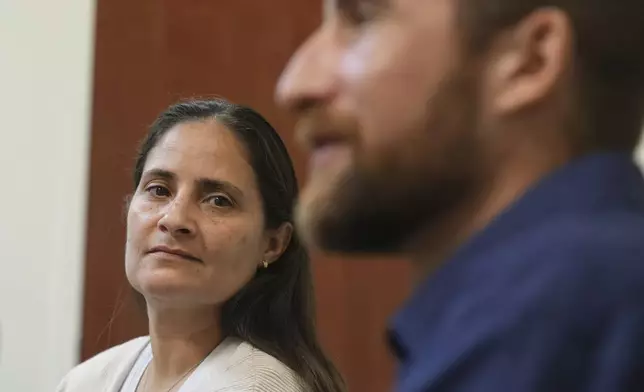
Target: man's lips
327,154
325,141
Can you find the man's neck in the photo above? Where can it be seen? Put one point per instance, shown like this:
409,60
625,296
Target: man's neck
505,185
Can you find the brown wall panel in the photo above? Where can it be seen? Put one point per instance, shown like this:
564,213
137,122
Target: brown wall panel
150,53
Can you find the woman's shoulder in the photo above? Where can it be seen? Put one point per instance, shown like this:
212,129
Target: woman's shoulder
105,367
249,368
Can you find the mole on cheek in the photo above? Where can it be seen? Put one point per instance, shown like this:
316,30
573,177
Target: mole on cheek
243,240
138,207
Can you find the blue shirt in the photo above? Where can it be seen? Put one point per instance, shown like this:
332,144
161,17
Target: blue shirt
548,298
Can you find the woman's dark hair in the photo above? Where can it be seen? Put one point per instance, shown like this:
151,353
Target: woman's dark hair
275,311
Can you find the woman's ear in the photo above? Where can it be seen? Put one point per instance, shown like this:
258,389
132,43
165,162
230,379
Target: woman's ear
277,242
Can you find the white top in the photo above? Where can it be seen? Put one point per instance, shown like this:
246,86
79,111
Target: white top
136,373
234,366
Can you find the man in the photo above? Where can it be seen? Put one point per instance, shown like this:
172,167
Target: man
491,140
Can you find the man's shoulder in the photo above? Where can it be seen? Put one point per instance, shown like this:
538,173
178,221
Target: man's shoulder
590,267
609,246
542,300
102,367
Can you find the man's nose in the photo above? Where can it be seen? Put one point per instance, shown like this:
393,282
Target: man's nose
309,76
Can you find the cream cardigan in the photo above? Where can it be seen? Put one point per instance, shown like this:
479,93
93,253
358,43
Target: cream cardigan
234,366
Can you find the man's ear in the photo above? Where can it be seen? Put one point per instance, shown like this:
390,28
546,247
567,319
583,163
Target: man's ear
528,60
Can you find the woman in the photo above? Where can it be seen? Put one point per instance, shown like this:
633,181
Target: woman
211,248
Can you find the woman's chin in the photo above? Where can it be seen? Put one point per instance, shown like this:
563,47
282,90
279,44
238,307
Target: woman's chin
167,286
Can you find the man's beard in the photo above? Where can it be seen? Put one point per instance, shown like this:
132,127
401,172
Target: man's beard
412,187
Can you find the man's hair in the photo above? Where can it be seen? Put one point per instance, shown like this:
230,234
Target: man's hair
609,59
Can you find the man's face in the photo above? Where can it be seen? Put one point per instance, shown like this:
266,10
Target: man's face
387,107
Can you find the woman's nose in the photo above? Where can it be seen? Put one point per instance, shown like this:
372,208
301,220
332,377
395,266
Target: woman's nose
177,220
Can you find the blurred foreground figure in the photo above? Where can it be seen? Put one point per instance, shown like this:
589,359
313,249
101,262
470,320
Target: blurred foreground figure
490,140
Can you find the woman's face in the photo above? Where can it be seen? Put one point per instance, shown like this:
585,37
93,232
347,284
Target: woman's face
195,225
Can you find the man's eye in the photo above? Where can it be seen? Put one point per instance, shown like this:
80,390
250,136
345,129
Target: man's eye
358,12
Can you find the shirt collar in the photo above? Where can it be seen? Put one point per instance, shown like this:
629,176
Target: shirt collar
594,182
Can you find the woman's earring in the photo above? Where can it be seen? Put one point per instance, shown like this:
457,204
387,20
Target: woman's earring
265,263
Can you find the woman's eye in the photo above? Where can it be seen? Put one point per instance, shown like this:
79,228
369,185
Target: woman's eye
220,201
158,191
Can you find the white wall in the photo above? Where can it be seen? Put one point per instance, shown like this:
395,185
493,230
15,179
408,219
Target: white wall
46,56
